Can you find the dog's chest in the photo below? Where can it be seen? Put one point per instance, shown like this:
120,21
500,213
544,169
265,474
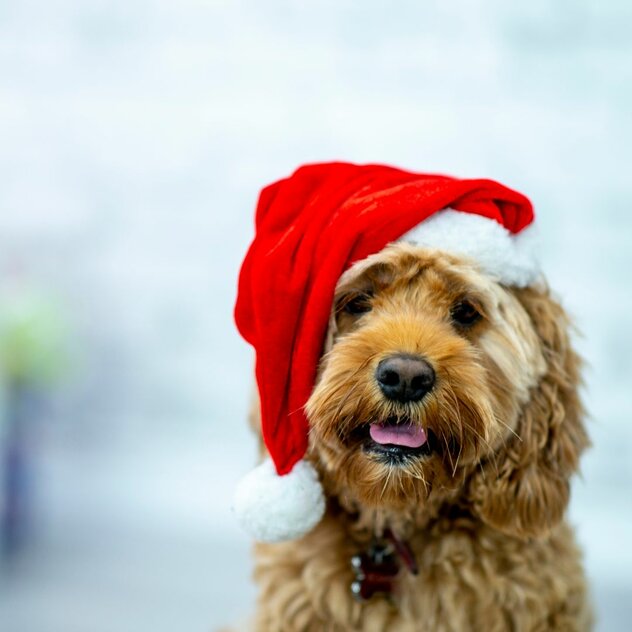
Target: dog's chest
466,580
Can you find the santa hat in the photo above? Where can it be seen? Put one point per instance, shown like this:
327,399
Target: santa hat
310,228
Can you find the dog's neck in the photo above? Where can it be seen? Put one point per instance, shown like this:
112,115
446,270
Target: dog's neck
364,524
383,541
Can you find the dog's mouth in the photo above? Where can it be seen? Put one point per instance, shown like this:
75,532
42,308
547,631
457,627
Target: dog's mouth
396,440
404,435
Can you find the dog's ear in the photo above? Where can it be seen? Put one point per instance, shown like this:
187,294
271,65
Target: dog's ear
524,490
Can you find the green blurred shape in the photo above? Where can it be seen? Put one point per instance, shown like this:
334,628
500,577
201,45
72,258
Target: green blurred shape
33,339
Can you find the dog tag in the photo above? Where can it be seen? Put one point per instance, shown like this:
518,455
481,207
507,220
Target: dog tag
375,572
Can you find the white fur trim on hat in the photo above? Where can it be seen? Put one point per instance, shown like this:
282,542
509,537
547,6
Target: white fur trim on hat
273,508
510,258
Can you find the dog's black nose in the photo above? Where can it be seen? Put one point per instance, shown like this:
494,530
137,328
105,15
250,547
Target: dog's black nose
405,378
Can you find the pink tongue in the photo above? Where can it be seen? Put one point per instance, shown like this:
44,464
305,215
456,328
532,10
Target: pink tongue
407,435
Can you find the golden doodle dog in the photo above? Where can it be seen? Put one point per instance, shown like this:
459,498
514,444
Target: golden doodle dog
444,425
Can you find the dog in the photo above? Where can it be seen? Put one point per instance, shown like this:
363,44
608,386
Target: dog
445,425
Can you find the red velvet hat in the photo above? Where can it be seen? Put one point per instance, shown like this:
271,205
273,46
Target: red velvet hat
310,228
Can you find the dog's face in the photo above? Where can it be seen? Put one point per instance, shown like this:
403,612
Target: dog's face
429,368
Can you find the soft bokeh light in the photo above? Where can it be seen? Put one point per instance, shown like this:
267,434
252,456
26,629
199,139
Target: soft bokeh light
134,138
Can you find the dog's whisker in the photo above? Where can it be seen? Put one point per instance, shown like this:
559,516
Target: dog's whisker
451,392
388,478
458,457
336,392
511,430
350,388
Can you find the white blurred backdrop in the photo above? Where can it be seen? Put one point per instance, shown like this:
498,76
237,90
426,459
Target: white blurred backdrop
134,138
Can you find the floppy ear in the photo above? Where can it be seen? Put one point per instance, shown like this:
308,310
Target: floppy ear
524,491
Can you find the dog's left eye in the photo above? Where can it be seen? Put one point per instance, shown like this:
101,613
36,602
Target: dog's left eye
359,304
464,313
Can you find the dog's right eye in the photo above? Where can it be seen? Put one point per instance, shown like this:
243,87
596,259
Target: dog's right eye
464,313
359,304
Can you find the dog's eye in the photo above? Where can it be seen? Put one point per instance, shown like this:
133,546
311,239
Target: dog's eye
359,304
464,313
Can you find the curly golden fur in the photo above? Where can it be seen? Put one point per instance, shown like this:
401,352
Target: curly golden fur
484,511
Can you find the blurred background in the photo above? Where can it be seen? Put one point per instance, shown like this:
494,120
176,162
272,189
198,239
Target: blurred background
134,138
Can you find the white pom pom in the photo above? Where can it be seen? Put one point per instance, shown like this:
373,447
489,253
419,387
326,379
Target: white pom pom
274,508
512,259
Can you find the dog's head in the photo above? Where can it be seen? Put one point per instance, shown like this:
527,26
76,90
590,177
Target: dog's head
439,382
